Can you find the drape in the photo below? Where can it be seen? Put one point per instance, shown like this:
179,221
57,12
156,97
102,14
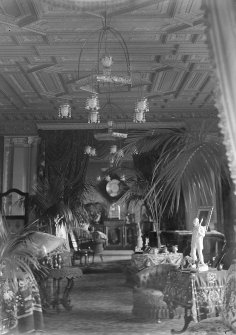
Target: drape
221,33
62,157
64,153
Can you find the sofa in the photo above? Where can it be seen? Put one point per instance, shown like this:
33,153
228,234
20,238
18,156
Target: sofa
148,286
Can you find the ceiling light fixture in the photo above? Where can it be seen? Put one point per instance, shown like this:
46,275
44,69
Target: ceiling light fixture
139,116
141,106
64,111
92,105
105,73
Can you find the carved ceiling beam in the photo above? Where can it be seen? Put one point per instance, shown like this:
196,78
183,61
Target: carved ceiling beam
183,81
11,94
23,71
132,6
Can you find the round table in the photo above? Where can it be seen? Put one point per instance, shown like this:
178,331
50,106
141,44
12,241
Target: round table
58,297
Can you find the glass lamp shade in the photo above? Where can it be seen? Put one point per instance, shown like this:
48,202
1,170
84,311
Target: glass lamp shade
113,149
135,152
120,153
64,111
93,152
107,61
139,117
110,124
111,160
87,150
92,103
142,105
93,117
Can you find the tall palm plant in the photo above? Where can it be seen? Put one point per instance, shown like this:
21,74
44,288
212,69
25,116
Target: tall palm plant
16,258
188,164
59,197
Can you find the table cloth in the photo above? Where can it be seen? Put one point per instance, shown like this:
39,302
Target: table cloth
200,293
20,310
141,261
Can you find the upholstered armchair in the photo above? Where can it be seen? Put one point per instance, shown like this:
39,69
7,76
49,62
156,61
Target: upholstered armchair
148,289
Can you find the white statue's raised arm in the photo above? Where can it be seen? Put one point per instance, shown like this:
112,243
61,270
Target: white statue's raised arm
198,234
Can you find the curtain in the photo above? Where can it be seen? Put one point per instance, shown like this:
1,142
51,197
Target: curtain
62,159
221,32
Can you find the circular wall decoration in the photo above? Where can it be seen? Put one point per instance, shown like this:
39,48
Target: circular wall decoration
113,188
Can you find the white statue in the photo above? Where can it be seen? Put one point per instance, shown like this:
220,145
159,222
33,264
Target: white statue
139,242
198,234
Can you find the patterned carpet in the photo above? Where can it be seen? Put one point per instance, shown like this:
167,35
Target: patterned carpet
102,304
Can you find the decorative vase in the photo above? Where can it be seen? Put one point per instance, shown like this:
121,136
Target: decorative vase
229,303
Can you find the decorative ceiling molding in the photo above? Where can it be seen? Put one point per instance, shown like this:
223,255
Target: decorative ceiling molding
41,41
117,125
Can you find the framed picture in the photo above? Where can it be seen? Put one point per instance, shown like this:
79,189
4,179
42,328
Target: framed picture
14,205
204,215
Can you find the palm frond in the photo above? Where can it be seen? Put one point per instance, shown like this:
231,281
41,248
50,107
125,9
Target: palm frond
188,164
16,258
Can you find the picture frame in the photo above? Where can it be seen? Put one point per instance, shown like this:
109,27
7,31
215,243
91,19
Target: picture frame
14,207
204,215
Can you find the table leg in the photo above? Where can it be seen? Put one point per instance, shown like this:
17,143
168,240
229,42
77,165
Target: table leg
56,293
85,259
65,301
187,320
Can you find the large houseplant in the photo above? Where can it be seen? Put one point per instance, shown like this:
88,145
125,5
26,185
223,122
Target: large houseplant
59,197
16,257
188,164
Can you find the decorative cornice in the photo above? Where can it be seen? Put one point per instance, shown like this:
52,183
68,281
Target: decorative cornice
20,140
117,125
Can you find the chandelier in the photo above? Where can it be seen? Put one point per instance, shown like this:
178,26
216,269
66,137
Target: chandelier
64,111
107,69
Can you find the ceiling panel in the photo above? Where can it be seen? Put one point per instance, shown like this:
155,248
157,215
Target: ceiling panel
40,44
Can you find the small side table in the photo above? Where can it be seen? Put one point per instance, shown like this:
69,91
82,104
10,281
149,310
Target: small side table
68,272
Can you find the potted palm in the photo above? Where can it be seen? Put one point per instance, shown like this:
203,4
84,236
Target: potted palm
16,261
58,197
187,165
20,265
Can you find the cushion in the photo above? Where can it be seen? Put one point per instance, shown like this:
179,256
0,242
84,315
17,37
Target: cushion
154,276
149,304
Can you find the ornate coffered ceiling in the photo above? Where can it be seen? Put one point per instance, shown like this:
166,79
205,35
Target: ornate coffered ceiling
40,45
